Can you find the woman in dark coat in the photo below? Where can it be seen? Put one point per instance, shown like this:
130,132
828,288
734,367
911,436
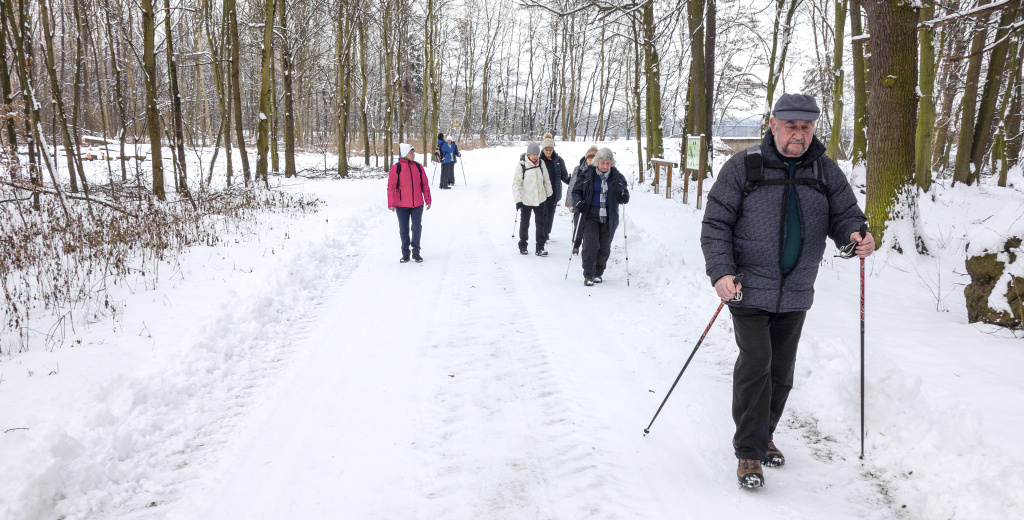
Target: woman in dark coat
597,196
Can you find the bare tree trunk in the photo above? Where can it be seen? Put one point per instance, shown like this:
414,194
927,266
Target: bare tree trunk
152,112
289,106
5,82
653,69
783,30
968,110
835,140
364,78
926,107
266,92
235,85
172,78
990,93
860,86
74,161
894,108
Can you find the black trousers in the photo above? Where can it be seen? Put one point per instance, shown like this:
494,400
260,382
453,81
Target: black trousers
597,245
524,226
447,175
550,205
763,375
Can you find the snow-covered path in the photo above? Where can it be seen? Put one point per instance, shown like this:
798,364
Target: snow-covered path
481,384
304,373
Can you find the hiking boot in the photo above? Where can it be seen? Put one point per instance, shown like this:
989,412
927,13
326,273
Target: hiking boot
773,458
523,251
417,257
405,258
749,473
588,281
597,279
541,252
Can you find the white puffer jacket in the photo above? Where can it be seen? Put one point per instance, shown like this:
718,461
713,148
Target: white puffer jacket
531,184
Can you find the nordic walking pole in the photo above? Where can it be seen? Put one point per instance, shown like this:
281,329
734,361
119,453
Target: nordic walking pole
739,296
433,174
463,172
625,238
514,223
863,233
572,245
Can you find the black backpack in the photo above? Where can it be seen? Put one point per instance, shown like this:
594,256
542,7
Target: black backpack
755,173
398,175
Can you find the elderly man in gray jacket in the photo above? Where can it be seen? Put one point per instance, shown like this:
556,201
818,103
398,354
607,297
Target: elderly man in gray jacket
767,218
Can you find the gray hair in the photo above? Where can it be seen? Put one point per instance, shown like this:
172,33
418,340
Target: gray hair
604,154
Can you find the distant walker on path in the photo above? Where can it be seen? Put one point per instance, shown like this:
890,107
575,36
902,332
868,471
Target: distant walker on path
408,192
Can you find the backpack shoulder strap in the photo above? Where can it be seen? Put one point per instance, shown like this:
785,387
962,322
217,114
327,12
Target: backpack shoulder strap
754,162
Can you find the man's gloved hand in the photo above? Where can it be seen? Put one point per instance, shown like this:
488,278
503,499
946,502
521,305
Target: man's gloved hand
519,205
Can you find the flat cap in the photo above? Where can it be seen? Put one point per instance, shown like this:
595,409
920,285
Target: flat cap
796,107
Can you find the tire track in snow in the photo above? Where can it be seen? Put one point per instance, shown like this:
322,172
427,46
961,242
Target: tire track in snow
506,421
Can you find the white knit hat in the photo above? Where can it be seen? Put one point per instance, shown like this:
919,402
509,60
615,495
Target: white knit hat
405,148
548,142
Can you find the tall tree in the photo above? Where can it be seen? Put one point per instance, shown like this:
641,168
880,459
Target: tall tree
969,106
176,117
893,105
652,62
152,112
785,11
838,77
926,107
266,92
982,139
859,151
289,102
235,83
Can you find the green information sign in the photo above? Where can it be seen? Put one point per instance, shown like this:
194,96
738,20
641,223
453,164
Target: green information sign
693,153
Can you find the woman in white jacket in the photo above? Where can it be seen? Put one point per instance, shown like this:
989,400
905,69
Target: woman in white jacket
531,186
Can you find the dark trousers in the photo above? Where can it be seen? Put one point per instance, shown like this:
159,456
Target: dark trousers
524,226
405,215
447,174
550,205
597,245
763,375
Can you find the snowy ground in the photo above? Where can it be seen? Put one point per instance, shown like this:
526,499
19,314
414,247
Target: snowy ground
305,374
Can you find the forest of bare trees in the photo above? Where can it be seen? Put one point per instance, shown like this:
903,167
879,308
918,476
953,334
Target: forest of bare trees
913,92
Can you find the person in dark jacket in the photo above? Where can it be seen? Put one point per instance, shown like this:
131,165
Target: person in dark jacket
597,196
775,237
408,192
558,174
582,166
449,151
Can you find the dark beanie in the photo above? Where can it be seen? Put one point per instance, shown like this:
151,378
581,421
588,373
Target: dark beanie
440,136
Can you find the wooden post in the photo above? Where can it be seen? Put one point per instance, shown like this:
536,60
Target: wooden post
657,179
686,182
703,168
668,180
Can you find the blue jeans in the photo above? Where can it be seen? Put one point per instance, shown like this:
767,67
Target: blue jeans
404,216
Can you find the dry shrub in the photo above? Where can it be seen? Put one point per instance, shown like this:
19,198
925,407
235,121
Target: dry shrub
64,257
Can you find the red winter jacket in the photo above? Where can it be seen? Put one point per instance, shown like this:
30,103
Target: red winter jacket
410,188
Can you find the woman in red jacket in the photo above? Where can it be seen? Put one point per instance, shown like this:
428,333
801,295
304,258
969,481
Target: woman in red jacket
408,191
